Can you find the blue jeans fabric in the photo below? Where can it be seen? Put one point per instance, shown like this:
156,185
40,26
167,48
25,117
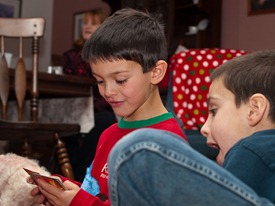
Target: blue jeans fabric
149,167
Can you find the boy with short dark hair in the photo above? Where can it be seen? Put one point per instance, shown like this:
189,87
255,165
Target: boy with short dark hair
240,124
127,54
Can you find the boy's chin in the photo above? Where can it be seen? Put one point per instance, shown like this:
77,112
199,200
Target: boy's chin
220,158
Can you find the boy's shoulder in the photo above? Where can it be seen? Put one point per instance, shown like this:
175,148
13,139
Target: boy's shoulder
260,140
110,129
259,145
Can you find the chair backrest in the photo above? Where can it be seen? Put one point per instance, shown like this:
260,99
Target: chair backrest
20,28
191,80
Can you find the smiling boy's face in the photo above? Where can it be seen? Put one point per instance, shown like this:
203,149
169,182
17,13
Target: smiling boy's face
226,124
125,87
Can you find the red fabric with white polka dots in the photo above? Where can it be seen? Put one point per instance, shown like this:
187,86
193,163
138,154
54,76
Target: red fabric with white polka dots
191,80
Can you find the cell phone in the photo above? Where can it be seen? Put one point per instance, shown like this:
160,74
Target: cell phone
55,182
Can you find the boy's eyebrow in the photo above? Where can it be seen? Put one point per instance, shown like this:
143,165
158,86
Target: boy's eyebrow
94,74
114,73
210,99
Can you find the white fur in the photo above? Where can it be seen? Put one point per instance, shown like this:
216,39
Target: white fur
14,189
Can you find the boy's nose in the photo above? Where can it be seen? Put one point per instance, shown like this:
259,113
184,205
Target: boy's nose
205,130
109,90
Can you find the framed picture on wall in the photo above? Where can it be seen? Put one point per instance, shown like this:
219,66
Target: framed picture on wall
10,8
256,7
77,25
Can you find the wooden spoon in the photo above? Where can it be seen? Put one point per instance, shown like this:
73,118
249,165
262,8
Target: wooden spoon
4,81
20,81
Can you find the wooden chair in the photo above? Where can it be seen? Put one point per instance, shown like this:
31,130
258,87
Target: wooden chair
33,130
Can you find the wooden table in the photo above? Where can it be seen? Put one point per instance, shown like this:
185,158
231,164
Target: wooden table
72,92
57,86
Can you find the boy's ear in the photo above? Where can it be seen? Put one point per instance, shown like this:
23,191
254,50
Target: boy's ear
158,72
258,108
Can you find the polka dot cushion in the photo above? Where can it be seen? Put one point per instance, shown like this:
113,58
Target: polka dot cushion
191,79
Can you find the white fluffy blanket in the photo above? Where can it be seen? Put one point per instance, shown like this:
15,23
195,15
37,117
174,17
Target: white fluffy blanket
14,190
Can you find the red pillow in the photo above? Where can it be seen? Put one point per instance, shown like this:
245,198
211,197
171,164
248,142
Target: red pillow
191,80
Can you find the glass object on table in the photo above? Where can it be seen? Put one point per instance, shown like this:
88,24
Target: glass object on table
55,69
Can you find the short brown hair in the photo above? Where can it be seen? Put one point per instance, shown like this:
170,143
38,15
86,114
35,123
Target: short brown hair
250,74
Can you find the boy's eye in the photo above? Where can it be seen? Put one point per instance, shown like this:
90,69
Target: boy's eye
213,111
121,81
99,82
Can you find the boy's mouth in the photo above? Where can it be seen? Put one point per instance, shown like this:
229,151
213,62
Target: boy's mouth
115,103
214,146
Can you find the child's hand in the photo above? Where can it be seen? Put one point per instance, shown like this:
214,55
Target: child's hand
56,196
38,198
30,180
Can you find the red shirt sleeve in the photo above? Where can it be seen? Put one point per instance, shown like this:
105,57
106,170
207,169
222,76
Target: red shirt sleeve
84,198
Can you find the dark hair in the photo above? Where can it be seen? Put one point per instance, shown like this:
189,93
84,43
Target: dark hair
128,35
250,74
